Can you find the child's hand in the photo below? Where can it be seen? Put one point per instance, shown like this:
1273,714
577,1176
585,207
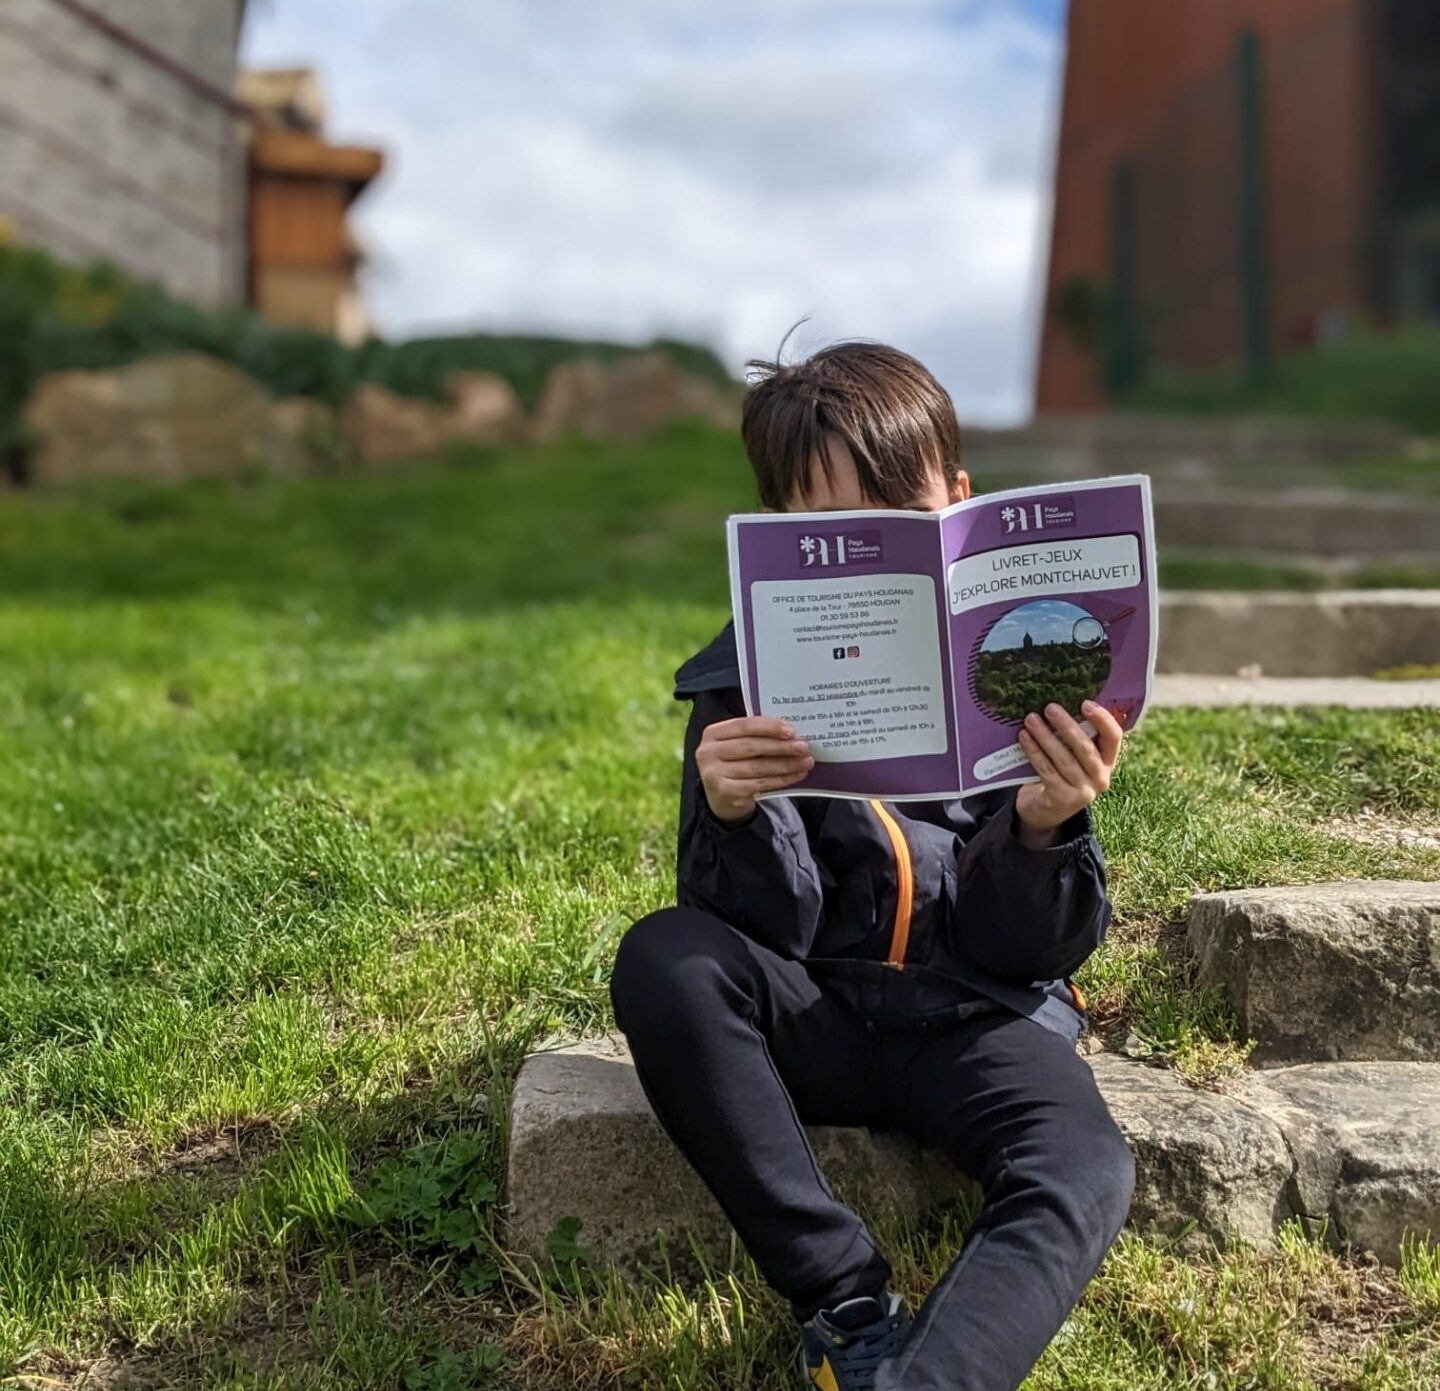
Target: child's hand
1074,769
739,758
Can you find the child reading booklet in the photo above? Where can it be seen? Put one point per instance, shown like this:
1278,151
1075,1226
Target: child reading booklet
901,956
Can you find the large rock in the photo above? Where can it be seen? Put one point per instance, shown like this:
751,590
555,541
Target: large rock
585,1144
1366,1142
1334,633
307,432
1348,970
381,426
173,416
485,408
628,400
1201,1158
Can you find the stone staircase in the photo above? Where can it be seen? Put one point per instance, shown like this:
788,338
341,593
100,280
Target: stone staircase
1339,1122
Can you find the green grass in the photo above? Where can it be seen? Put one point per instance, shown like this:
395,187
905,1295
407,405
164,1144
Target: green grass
1388,376
323,800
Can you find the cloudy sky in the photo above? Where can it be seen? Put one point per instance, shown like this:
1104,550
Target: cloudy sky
1046,620
705,170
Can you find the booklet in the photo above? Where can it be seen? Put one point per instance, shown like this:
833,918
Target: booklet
907,647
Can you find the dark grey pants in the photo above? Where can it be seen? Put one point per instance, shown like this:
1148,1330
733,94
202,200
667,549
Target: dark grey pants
737,1048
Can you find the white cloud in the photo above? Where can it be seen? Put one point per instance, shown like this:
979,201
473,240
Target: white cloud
672,166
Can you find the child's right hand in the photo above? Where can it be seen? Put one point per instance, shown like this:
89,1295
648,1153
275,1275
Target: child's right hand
740,758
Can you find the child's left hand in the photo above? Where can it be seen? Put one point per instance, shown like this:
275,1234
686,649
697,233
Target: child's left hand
1074,769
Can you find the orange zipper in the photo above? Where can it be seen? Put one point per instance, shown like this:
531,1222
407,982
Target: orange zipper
905,893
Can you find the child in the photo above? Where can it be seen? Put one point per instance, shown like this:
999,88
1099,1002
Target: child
902,966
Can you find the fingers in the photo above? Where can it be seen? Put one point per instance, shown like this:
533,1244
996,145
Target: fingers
1055,749
1038,759
774,784
749,769
748,727
1107,730
1081,745
1072,767
745,750
751,738
741,758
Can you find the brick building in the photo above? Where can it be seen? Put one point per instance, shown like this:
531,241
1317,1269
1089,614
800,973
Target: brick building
1238,178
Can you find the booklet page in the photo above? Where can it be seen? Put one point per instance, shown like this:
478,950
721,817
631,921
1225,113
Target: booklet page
841,629
1051,598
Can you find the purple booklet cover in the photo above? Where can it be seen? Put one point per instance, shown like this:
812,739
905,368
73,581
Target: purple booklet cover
908,647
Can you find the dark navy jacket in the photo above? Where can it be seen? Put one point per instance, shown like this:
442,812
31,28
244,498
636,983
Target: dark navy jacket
917,912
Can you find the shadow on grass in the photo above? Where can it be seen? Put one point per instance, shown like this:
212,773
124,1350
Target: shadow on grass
237,1256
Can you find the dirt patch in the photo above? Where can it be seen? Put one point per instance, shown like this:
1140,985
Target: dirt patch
1352,1307
217,1152
1386,830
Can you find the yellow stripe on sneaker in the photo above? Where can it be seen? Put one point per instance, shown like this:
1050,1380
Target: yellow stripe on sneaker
824,1376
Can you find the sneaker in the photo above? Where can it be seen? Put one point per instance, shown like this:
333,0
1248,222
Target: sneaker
845,1346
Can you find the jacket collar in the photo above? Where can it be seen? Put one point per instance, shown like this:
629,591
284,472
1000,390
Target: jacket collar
715,667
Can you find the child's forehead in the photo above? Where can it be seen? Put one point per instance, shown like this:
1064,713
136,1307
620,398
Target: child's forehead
834,475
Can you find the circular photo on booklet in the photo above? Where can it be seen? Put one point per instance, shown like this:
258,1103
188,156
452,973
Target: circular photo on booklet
1049,650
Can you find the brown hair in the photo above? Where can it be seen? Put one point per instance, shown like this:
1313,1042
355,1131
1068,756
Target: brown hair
897,420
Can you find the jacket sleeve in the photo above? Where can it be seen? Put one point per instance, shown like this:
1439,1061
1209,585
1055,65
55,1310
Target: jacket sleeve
1025,915
758,875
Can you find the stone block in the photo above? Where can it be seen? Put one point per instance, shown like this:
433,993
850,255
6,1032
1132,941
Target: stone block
629,399
1342,971
1332,633
175,415
1201,1157
585,1144
382,426
486,408
1366,1143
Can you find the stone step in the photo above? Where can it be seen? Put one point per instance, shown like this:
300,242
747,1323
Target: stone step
1077,446
1330,633
1182,691
1358,1143
1366,1143
1347,970
1298,522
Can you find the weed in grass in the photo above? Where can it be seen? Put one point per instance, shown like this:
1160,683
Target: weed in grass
435,1198
1420,1273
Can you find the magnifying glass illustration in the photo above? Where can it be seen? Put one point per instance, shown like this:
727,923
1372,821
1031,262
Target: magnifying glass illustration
1089,632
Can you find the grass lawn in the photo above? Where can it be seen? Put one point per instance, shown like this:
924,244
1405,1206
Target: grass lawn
322,801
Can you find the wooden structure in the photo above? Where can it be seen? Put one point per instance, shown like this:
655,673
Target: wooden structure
303,255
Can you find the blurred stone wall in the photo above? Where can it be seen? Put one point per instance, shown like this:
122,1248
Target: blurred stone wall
107,153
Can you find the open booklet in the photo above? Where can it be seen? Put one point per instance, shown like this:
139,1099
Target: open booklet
907,647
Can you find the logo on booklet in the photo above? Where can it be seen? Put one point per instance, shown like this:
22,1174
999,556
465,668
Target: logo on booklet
840,653
1053,514
841,548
